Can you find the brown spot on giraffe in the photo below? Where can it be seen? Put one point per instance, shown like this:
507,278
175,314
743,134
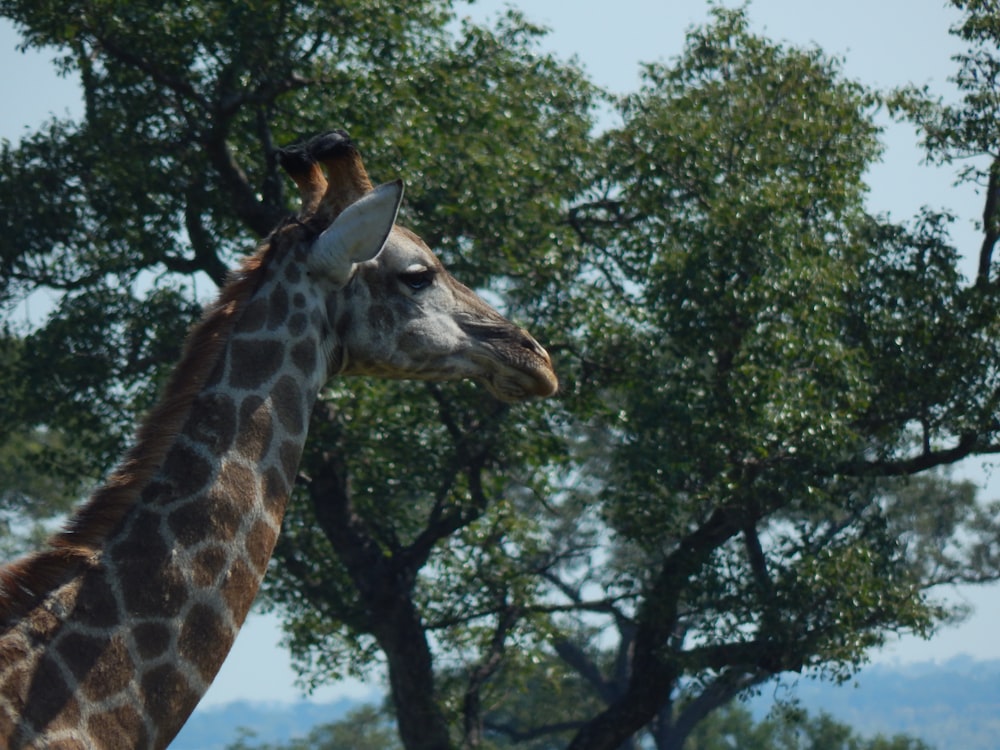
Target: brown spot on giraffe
108,674
208,565
213,421
254,362
255,430
297,326
304,355
290,405
188,470
275,490
151,639
96,607
206,519
118,727
80,652
277,312
204,636
168,699
51,698
152,583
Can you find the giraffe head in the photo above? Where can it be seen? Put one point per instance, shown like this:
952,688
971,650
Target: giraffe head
395,309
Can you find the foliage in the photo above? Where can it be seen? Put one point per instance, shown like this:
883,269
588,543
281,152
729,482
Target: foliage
755,371
363,728
966,132
733,726
40,474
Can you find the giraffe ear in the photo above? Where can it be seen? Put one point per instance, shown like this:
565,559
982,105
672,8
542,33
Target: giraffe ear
357,234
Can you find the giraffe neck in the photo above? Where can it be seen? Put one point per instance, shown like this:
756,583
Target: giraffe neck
119,653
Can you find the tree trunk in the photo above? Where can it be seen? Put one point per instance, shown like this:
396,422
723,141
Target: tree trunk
387,593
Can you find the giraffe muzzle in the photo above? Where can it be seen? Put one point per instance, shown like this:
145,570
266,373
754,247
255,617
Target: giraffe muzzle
516,370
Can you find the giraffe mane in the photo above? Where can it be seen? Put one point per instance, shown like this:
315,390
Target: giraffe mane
23,582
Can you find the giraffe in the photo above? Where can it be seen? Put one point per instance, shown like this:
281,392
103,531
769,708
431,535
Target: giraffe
110,635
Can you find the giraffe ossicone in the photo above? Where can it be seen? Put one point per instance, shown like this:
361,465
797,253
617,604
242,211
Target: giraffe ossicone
110,634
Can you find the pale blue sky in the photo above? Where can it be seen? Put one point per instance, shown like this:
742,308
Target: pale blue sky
884,43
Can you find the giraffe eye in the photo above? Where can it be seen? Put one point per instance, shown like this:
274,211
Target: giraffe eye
417,280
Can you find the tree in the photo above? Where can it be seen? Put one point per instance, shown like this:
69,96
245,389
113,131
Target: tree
751,363
790,729
40,475
363,728
783,356
967,132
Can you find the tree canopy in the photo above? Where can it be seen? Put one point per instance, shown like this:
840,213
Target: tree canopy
758,374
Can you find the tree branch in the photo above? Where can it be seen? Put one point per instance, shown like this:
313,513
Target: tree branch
654,674
205,256
672,735
968,444
991,225
578,660
470,459
258,216
180,86
488,665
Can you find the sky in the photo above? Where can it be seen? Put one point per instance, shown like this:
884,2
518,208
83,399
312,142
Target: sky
882,44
